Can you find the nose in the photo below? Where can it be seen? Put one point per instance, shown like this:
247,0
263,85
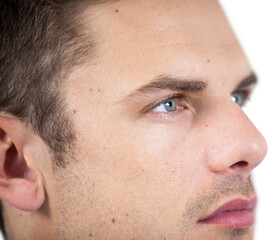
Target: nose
236,145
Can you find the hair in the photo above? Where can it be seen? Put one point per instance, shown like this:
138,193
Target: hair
40,42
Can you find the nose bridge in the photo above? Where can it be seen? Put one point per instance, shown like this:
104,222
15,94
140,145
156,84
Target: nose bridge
237,145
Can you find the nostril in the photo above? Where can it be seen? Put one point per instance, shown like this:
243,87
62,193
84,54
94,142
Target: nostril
241,164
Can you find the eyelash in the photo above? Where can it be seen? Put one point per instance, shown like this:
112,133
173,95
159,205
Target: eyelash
246,97
170,115
165,115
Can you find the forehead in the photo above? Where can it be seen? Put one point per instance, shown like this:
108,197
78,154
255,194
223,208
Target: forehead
140,39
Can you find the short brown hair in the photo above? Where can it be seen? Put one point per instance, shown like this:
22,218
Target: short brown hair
40,41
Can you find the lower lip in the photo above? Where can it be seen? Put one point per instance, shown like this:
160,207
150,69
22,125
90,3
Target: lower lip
233,219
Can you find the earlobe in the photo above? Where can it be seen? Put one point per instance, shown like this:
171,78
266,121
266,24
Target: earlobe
20,186
22,194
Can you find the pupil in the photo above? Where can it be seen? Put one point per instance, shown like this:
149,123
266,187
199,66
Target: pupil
170,105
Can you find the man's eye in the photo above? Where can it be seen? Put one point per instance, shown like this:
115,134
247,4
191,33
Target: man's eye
169,105
239,97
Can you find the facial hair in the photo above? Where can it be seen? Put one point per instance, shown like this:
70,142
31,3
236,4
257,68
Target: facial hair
221,188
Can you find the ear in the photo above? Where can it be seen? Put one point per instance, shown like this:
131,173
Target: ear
20,181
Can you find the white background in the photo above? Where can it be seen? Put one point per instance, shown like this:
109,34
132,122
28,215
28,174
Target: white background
250,20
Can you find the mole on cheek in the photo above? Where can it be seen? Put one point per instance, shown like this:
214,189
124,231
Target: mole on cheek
113,220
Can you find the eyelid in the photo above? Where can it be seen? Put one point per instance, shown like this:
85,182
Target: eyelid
246,95
155,104
246,92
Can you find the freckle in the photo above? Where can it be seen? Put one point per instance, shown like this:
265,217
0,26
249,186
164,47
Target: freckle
126,214
74,111
91,90
116,10
208,60
104,148
113,220
90,235
99,90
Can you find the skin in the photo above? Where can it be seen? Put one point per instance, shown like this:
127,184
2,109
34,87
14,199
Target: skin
140,173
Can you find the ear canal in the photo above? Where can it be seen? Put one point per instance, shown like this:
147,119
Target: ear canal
15,166
18,183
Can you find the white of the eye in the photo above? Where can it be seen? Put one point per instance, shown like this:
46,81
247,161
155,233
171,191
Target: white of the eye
160,108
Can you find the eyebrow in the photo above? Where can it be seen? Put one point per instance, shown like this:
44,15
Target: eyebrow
175,83
167,82
248,81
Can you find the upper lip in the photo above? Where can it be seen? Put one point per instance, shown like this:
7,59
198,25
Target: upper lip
234,206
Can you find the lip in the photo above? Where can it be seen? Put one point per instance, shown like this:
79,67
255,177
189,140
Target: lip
237,213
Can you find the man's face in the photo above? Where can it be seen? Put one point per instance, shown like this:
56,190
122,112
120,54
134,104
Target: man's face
162,141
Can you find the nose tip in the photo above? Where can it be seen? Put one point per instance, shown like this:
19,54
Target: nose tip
257,151
253,158
239,149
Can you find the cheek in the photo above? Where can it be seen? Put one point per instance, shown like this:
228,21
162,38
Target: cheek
144,154
131,171
154,153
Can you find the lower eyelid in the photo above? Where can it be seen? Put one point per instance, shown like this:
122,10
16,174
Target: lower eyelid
182,115
164,115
